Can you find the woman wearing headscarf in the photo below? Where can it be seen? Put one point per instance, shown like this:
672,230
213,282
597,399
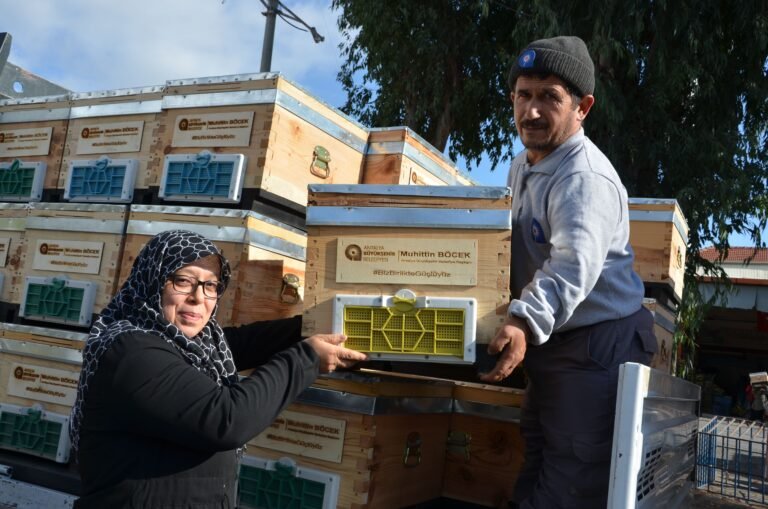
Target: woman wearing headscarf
161,413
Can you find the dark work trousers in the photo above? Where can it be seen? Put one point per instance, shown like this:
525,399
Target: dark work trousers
569,408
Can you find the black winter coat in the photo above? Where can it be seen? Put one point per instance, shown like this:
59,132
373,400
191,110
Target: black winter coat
157,433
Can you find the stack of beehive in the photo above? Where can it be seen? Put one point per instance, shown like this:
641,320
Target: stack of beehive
659,236
400,270
86,179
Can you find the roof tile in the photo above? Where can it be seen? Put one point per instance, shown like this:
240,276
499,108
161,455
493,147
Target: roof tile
737,254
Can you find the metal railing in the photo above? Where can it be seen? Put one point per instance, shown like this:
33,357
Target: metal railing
731,457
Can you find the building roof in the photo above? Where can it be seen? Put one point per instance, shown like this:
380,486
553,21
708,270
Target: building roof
737,254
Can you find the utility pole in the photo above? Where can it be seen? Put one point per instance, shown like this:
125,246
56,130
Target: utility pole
276,8
269,35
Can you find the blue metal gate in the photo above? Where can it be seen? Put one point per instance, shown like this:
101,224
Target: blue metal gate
731,459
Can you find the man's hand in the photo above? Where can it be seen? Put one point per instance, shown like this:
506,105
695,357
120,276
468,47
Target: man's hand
511,341
333,355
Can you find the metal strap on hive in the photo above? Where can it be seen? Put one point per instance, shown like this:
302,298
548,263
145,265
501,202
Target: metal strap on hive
410,217
479,192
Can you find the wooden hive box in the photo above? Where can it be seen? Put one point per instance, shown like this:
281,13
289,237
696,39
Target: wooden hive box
32,134
267,257
70,262
397,155
384,439
13,221
39,370
262,137
485,448
658,234
109,146
664,328
402,251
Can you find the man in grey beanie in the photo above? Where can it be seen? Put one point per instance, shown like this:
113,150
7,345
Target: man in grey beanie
576,313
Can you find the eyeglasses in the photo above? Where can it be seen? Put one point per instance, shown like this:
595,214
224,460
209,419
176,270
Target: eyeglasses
189,284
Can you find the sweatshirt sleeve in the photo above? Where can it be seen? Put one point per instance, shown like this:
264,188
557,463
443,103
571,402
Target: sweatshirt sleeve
157,393
255,343
584,211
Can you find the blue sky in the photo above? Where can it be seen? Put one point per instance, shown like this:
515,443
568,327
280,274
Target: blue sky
90,45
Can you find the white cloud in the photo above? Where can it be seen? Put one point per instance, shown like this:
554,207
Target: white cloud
87,45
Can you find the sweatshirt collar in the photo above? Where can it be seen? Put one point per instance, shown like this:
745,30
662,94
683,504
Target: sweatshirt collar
551,162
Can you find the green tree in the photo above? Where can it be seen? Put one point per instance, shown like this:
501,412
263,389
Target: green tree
682,94
436,66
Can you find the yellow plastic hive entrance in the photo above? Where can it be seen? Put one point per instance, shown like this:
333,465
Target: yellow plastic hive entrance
428,331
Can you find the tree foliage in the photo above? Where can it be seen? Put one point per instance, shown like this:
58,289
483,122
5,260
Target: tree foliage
682,91
435,66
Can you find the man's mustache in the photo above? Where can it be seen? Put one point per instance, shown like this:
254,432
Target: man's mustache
533,124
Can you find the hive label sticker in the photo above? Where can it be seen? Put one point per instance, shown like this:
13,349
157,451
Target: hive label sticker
213,129
68,256
25,142
427,261
110,138
312,436
43,384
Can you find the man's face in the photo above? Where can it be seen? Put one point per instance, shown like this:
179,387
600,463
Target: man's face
546,114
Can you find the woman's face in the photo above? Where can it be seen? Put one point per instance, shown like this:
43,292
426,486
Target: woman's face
189,311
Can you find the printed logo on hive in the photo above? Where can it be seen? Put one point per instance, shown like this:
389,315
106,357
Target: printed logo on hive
353,252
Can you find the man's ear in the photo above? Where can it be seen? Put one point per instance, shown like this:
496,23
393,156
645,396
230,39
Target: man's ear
584,106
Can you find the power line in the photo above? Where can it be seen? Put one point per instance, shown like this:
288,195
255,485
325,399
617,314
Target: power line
277,8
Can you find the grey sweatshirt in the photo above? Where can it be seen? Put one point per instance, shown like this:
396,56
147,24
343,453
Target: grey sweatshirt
571,258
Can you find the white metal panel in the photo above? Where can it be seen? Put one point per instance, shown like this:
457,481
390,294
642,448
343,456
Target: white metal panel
21,495
654,439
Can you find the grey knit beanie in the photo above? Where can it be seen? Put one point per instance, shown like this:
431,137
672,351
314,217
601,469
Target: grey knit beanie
567,57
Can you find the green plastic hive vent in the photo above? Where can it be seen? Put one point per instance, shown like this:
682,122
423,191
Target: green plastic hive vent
17,180
54,300
30,433
432,331
260,488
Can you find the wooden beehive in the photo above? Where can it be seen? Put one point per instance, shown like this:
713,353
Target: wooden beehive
39,349
397,155
485,448
658,234
32,134
71,251
285,139
267,257
39,371
13,220
664,328
384,438
429,242
118,127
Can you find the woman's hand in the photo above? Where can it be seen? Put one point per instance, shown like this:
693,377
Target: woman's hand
333,355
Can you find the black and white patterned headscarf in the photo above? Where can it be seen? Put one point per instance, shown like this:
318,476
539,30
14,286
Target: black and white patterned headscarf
137,308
